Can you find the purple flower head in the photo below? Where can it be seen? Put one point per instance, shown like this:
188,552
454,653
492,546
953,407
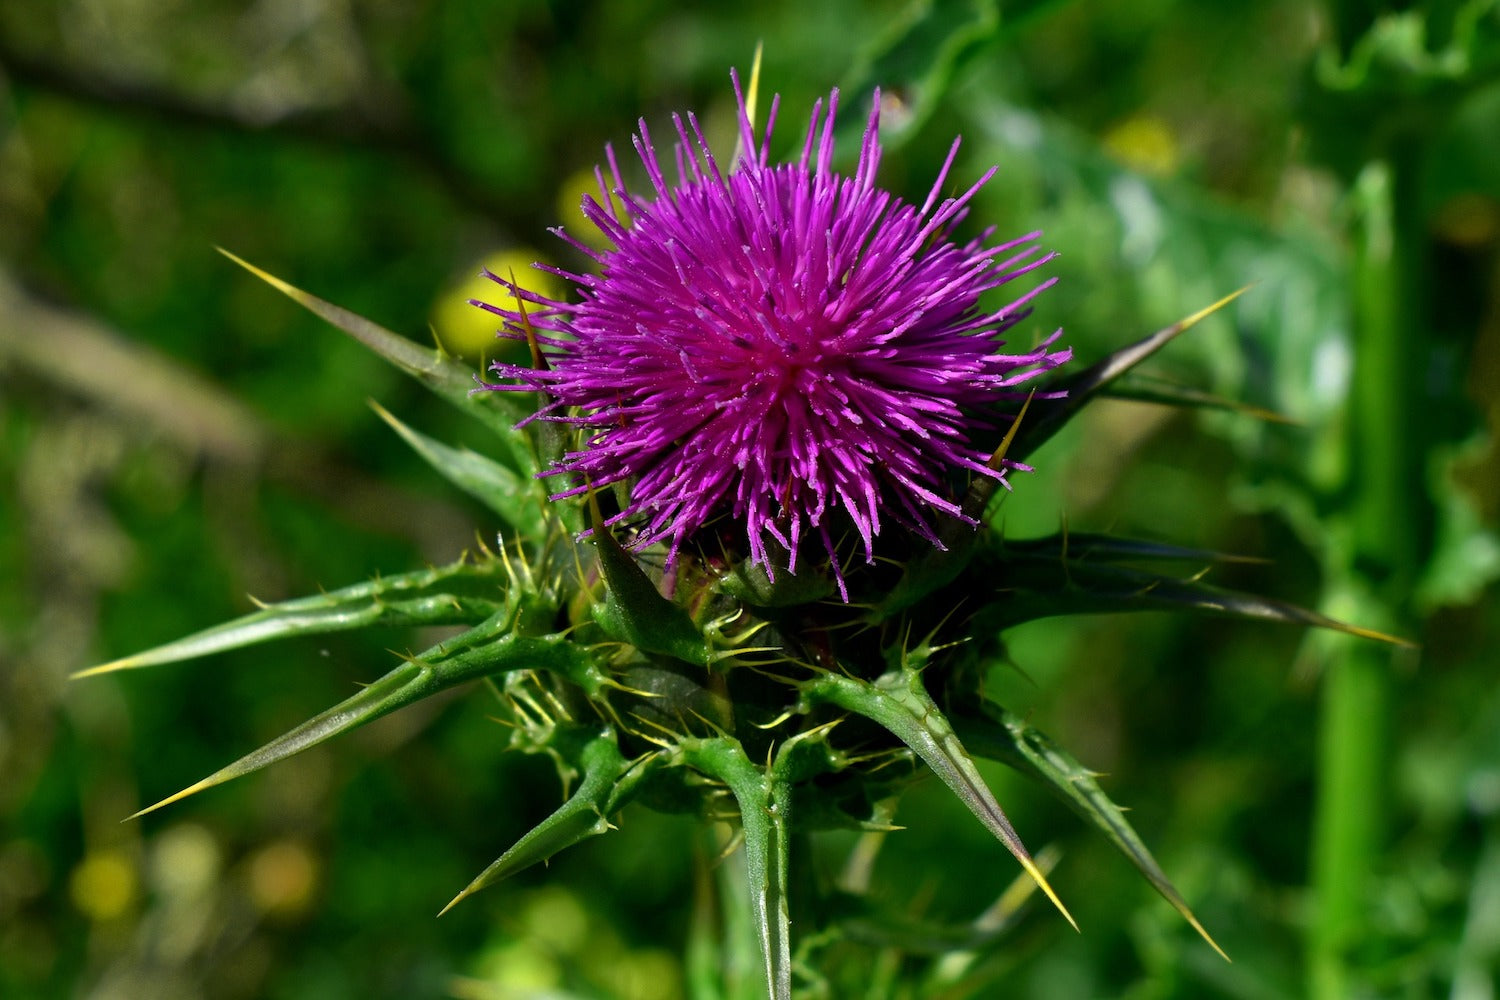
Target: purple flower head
780,343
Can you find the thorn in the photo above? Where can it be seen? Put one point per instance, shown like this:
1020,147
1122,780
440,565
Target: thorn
982,490
783,717
208,782
292,292
1010,433
711,724
442,348
731,845
454,901
1209,310
1206,936
124,663
538,361
1369,633
1042,883
754,88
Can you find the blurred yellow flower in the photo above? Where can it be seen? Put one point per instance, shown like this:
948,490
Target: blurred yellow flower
469,333
1145,143
282,878
104,885
579,185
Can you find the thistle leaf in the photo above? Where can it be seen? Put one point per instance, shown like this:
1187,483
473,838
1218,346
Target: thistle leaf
634,610
462,593
764,801
1003,736
1085,546
449,379
1044,586
1142,389
900,703
1052,414
608,782
516,500
488,649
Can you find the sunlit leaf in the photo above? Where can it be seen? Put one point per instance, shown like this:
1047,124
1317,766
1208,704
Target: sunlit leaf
604,790
634,610
1141,389
488,649
448,378
465,592
1049,415
1085,546
1043,586
1000,735
900,703
515,499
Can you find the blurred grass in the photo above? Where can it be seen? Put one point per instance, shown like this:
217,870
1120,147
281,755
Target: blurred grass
174,436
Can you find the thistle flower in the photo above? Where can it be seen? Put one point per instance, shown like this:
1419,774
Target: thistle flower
789,346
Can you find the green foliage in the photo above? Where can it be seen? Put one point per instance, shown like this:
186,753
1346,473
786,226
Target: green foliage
171,437
647,635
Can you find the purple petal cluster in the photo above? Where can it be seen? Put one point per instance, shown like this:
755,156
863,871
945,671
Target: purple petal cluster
779,343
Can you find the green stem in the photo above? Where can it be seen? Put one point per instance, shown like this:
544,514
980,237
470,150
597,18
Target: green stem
764,802
1349,822
1369,578
723,950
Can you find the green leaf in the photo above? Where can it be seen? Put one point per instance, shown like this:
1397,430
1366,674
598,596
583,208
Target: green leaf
449,379
608,782
900,703
1002,736
1093,547
765,812
462,593
1051,414
1144,389
518,501
1041,585
634,610
488,649
751,583
1399,54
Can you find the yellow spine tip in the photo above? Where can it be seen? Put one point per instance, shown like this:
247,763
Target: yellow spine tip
1041,881
454,901
103,668
190,790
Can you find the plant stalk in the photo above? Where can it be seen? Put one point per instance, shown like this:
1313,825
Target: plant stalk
1370,574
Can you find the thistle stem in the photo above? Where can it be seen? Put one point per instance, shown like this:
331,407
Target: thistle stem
723,953
1369,576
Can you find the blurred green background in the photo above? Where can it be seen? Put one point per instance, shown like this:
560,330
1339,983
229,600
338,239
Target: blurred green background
174,437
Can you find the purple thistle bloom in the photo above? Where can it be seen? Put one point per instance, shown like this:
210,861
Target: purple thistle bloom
792,347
